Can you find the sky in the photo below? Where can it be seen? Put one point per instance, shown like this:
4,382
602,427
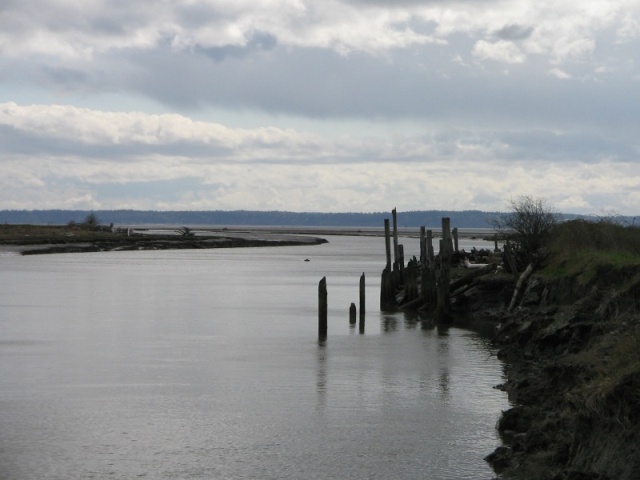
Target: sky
324,106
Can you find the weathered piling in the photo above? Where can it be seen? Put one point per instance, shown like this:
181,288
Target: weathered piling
396,253
429,279
387,242
352,313
411,290
322,307
386,289
430,251
424,265
443,309
401,257
362,297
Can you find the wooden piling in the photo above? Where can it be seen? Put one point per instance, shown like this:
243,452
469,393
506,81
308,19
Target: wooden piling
430,252
443,310
322,307
401,257
424,265
352,313
387,242
388,283
396,253
386,290
430,292
362,297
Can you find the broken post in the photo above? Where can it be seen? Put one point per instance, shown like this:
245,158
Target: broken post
322,307
352,313
362,298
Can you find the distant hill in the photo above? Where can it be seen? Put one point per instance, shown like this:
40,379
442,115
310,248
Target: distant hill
428,218
431,218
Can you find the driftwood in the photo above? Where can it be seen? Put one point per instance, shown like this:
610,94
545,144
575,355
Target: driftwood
413,304
467,279
519,284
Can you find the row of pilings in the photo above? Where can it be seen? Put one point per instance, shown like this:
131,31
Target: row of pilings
421,283
323,307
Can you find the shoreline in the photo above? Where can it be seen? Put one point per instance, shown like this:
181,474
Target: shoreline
38,240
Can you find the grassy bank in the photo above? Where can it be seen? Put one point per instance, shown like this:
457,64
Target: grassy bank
572,350
38,234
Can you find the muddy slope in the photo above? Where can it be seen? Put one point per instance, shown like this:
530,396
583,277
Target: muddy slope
572,353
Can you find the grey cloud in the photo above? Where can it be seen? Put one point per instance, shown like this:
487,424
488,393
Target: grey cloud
68,78
321,84
412,3
584,146
258,41
25,143
514,32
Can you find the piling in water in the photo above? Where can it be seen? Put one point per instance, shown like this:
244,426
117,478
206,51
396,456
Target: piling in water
362,297
387,242
443,309
352,313
396,253
322,307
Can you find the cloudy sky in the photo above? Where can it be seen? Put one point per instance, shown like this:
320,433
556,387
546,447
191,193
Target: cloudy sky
319,105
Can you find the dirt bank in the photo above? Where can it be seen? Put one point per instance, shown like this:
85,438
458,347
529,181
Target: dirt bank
572,354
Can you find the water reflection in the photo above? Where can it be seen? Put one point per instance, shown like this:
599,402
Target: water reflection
389,323
444,361
321,373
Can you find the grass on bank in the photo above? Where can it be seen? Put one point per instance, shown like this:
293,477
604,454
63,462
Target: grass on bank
583,249
36,234
604,258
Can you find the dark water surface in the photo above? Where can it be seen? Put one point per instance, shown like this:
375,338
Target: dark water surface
206,364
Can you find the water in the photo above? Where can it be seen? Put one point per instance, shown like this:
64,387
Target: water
206,364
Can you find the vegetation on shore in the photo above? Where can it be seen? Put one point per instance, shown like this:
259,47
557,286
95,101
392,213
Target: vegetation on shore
38,234
572,350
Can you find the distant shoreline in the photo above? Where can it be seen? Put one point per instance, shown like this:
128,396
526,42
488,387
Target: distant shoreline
74,238
39,240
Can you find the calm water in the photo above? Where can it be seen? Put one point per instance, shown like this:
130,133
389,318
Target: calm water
206,364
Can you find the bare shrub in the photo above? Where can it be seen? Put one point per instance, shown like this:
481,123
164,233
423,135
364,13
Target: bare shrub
527,227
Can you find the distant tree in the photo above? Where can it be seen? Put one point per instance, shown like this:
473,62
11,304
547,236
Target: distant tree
527,226
91,220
